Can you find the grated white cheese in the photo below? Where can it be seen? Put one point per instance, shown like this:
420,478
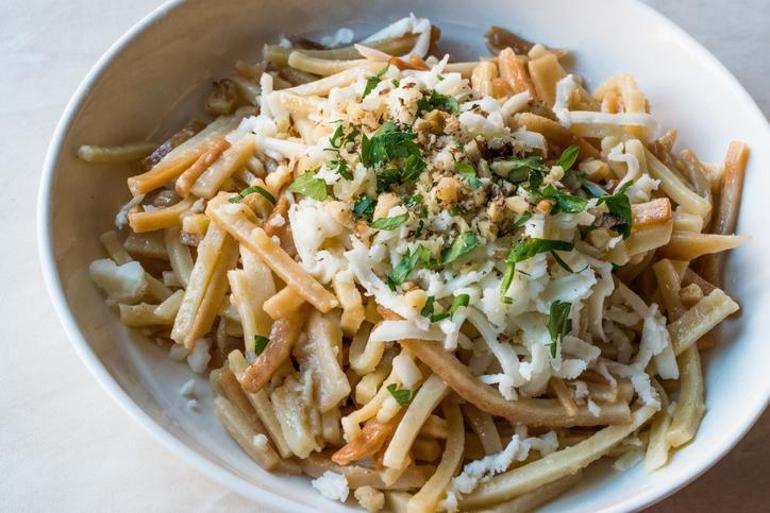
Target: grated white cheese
332,485
199,357
124,283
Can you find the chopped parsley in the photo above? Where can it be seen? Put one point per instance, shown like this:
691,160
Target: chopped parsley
413,201
407,264
620,207
564,202
559,323
372,81
460,301
413,168
462,245
525,250
307,185
468,173
386,178
437,101
403,396
389,223
342,169
250,190
363,208
386,144
526,216
260,343
529,169
568,157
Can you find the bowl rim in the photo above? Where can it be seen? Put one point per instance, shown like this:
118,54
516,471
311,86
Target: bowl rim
210,468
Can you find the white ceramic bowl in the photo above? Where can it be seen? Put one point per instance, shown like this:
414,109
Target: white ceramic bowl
152,80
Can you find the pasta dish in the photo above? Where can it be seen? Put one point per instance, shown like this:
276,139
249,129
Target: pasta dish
430,285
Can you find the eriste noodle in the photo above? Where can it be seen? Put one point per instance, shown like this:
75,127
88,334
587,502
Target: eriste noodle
430,285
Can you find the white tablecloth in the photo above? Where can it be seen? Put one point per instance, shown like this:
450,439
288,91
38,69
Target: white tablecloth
64,445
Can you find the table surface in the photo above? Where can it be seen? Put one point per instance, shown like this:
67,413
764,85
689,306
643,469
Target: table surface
65,445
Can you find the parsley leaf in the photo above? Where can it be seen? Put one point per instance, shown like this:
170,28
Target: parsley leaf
252,189
387,143
343,170
336,139
407,264
413,201
363,208
437,101
389,223
529,169
402,395
559,323
386,178
460,300
620,206
526,216
462,245
372,82
468,174
413,168
565,202
309,186
568,157
427,310
525,250
260,343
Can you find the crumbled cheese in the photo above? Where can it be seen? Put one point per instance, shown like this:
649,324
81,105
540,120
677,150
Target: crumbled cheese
124,283
199,357
311,226
332,485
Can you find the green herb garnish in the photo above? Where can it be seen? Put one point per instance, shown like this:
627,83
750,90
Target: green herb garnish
526,216
389,223
559,323
387,143
460,300
468,173
387,177
402,395
462,245
372,82
413,168
525,250
260,343
307,185
363,208
250,190
620,207
407,264
564,202
569,157
437,101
